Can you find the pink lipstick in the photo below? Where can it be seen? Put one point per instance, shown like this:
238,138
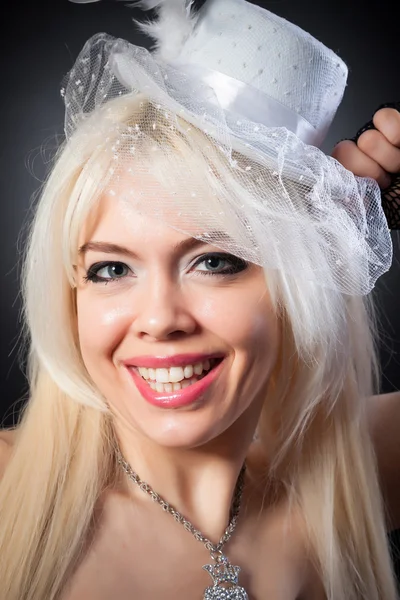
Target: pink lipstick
179,398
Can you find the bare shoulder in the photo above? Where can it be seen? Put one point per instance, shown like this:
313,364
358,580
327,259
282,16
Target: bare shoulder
384,421
7,441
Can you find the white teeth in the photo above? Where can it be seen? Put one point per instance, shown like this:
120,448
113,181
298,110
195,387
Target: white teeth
144,372
168,388
176,374
198,368
162,375
188,371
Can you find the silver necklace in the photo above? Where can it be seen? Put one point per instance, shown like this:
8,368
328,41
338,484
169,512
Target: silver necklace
225,576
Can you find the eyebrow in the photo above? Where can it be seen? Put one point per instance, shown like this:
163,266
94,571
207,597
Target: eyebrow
183,246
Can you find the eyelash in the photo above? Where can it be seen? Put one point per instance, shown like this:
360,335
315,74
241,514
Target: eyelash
237,265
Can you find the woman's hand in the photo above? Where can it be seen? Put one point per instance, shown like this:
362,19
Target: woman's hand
376,153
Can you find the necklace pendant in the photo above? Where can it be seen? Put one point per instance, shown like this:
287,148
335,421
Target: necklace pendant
225,582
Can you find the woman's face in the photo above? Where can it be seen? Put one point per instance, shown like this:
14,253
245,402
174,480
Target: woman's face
179,337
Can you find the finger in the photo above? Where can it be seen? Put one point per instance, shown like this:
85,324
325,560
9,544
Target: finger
387,121
353,159
375,145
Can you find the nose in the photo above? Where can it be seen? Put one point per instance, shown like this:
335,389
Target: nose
161,311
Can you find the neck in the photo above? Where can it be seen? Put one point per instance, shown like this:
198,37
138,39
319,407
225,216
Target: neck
198,482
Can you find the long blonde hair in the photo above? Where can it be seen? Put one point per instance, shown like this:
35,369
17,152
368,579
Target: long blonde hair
64,455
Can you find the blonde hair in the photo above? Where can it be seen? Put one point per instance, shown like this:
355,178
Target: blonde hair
64,456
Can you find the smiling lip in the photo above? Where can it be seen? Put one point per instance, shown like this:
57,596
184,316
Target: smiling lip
177,360
179,398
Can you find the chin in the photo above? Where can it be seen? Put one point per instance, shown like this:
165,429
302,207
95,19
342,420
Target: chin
181,428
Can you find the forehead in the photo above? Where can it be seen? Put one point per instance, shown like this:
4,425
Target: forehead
135,206
119,221
143,204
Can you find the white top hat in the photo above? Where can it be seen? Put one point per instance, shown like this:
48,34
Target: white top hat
298,82
262,86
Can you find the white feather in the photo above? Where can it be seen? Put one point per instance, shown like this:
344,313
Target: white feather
174,24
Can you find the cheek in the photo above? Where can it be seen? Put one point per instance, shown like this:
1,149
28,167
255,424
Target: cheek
244,320
101,325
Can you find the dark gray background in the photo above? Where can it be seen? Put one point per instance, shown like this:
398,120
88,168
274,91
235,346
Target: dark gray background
40,41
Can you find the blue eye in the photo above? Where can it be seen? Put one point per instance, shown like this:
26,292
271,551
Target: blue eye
107,271
219,263
212,263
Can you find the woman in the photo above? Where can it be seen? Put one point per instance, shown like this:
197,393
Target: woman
205,338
